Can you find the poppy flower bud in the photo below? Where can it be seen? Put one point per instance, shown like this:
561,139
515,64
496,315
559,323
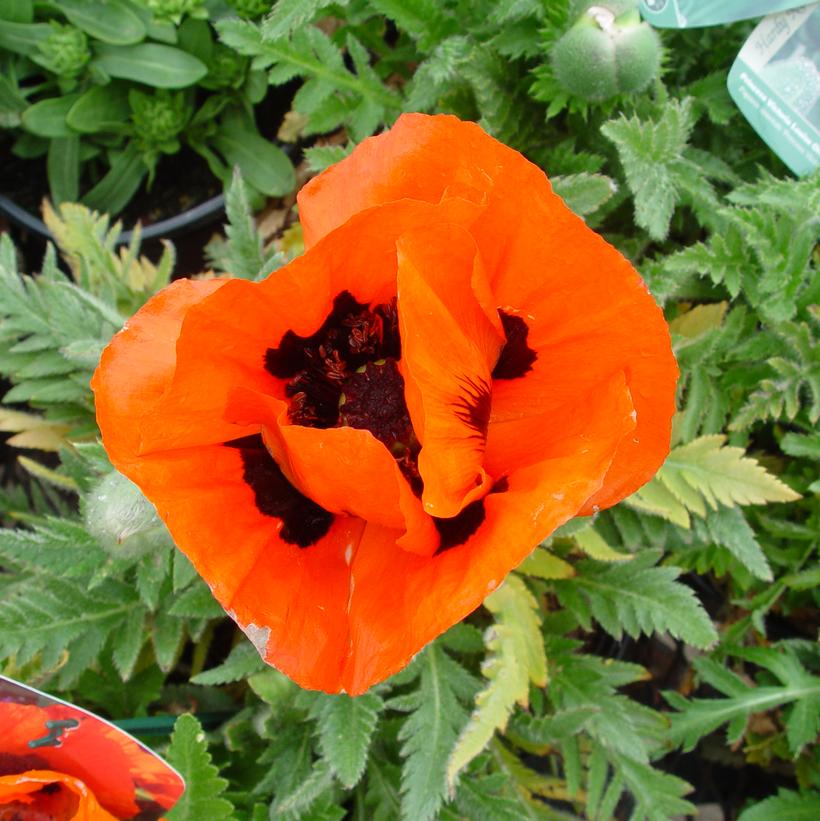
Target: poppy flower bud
607,52
122,520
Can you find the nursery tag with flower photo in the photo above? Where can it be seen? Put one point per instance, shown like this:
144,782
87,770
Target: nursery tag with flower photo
775,81
681,14
55,756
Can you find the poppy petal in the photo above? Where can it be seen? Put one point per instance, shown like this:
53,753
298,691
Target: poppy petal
46,794
424,158
397,594
451,337
345,470
138,364
601,322
535,250
290,600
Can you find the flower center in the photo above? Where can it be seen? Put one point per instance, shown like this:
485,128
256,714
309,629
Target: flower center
346,374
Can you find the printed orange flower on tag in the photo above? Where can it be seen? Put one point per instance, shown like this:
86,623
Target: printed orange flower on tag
356,451
42,795
59,762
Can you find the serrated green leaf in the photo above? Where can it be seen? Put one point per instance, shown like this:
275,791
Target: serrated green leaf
584,193
346,726
636,597
516,658
429,733
787,805
202,798
242,661
652,154
729,528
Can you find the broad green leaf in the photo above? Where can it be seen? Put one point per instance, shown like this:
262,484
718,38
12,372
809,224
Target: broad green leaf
188,753
263,164
64,168
17,11
154,64
516,659
112,22
113,192
48,117
101,108
22,38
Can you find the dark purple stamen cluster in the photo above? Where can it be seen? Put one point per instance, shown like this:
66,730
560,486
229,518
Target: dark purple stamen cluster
347,374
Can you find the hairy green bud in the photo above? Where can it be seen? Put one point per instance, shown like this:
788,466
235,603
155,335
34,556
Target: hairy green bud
607,52
65,51
122,520
226,68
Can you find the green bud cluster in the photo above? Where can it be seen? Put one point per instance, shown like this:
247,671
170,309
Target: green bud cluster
65,51
175,10
607,52
158,119
250,9
226,68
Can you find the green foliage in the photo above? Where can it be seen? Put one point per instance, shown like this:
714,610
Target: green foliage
101,90
428,735
96,605
188,752
636,597
786,805
661,171
346,727
705,473
794,686
515,659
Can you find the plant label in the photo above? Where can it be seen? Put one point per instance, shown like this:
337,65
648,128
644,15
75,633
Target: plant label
681,14
40,732
775,81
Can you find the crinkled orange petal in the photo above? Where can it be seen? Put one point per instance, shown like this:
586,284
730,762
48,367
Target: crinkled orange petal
345,470
536,252
420,158
450,343
290,601
583,331
216,333
72,801
398,594
138,364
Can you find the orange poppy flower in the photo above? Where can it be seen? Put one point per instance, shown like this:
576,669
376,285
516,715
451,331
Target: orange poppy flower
356,451
60,759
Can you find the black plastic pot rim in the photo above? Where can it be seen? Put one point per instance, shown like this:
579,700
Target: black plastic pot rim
167,228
